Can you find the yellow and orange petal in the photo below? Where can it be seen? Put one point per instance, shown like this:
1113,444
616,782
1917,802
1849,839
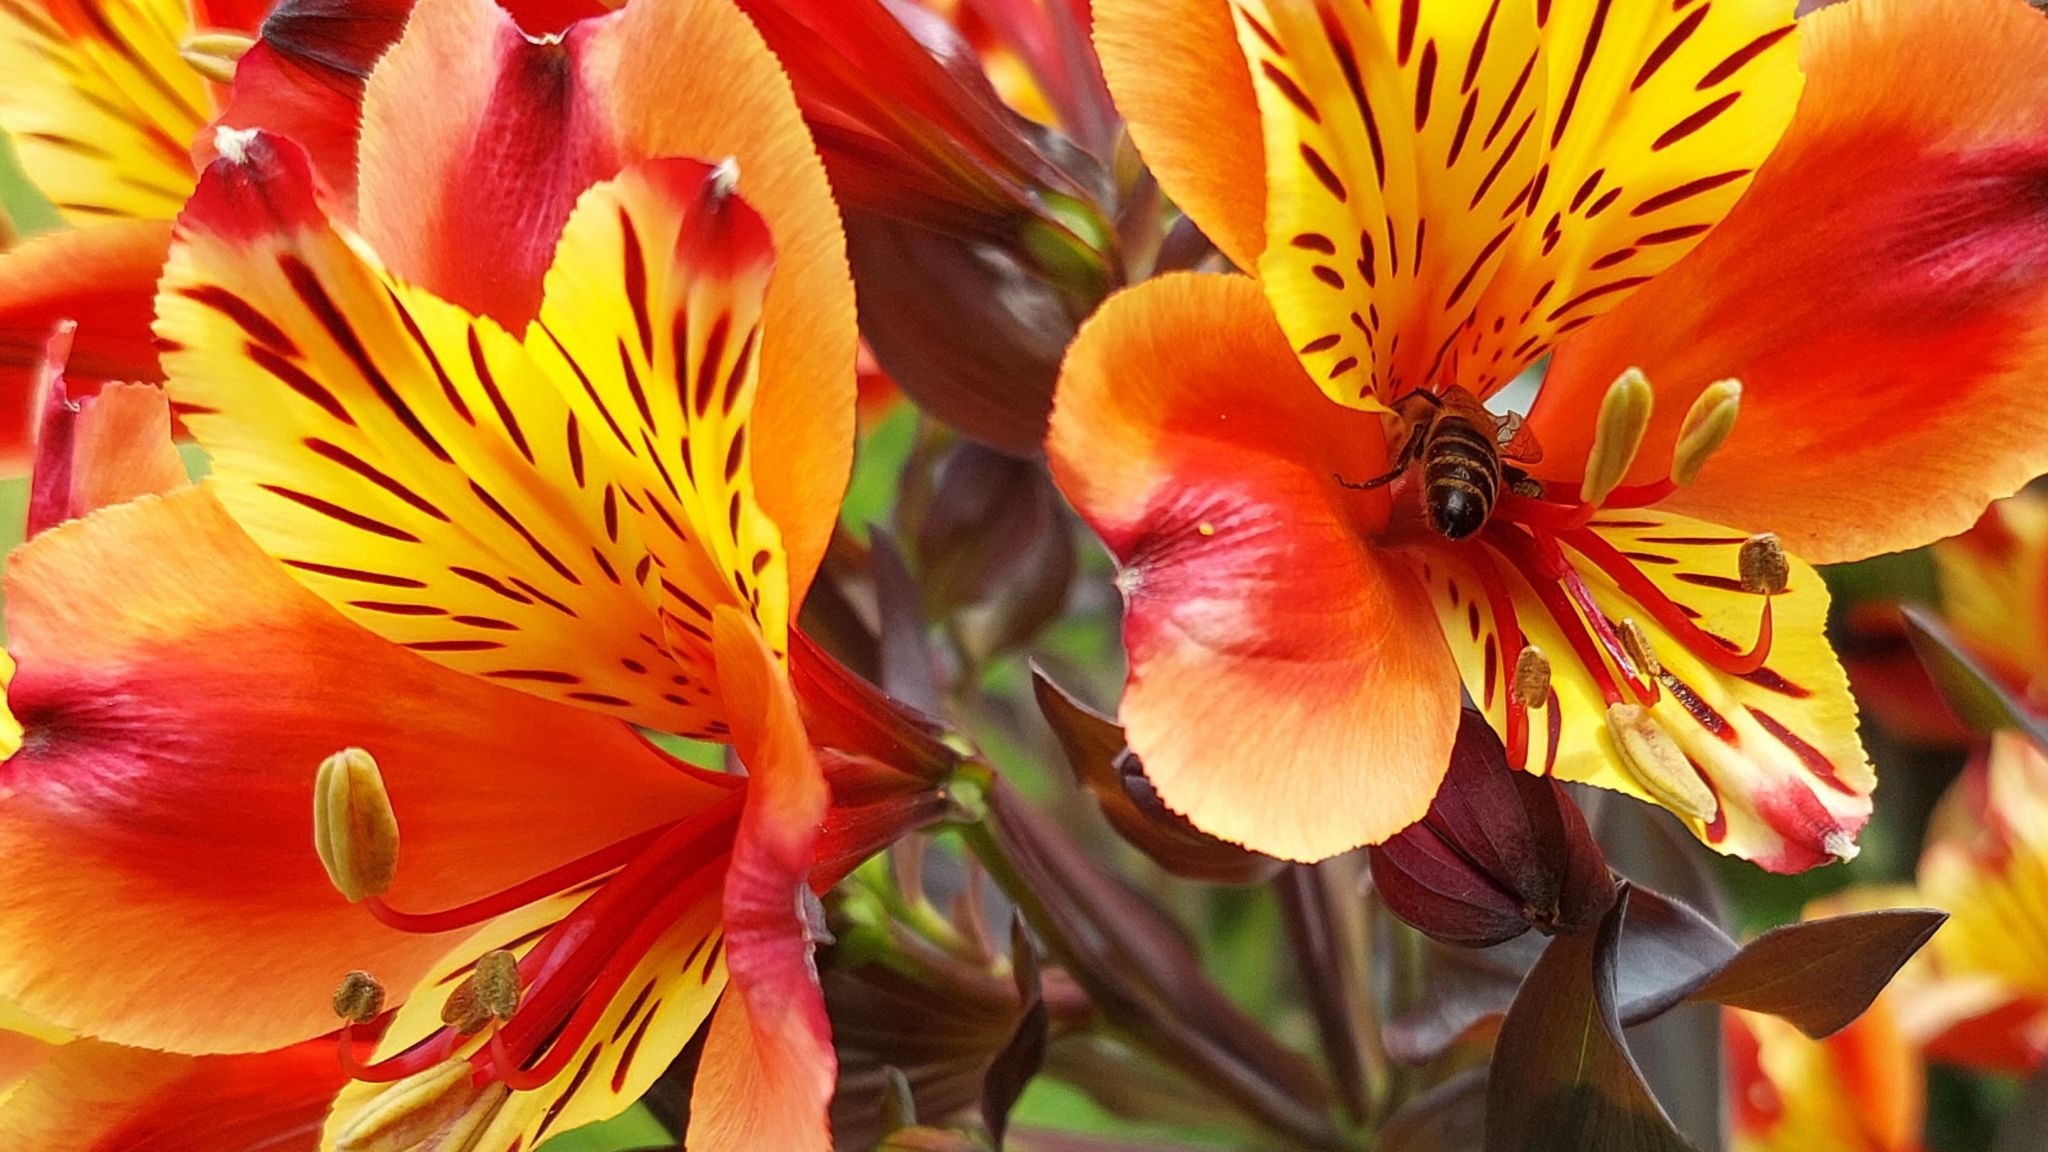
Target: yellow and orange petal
99,105
1877,293
561,516
1862,1089
478,226
1986,861
1768,764
1994,591
1281,692
1451,188
156,822
90,1096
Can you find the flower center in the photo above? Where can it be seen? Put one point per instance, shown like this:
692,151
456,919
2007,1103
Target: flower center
540,1007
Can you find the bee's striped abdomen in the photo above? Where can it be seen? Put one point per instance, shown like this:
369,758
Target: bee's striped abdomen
1460,476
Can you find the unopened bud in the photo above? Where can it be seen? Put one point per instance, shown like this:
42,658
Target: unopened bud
360,999
1707,425
1636,643
412,1111
1532,677
1617,434
1763,565
355,830
497,983
1499,852
214,55
1656,762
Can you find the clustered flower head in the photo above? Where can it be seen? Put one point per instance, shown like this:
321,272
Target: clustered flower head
566,543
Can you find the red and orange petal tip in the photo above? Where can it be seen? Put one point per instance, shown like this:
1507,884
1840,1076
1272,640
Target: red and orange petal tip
1289,690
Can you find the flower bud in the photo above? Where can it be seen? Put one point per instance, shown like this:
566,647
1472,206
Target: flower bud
1499,852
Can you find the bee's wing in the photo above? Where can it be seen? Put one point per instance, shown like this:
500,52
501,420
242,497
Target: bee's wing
1517,443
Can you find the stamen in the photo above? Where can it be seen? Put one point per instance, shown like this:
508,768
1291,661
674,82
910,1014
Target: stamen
546,884
1544,574
1658,764
1707,425
1617,435
1712,650
1638,675
1532,674
355,831
360,999
1763,566
1508,629
214,55
412,1111
1637,643
497,983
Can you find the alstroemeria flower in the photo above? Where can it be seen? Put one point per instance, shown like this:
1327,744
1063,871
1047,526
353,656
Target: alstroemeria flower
1978,995
1451,192
575,515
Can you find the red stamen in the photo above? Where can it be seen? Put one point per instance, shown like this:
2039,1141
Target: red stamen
1519,549
1544,515
1507,629
518,896
1712,650
434,1049
597,998
1639,495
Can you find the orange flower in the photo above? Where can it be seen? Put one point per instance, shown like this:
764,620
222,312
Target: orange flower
1450,192
455,568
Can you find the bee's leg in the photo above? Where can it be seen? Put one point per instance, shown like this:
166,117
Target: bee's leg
1401,462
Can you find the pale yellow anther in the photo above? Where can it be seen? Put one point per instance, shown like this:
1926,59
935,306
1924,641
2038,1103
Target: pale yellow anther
414,1112
359,999
497,983
214,55
355,830
1762,564
1636,643
1532,677
1656,762
1617,434
1707,425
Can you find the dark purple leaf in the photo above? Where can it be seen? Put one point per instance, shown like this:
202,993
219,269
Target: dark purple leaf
1821,974
1023,1054
1450,1117
1561,1075
1667,951
909,666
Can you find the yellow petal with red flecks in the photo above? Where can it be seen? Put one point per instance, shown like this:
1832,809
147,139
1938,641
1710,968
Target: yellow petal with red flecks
1451,187
1659,113
656,1009
1776,749
100,107
665,361
1396,137
514,511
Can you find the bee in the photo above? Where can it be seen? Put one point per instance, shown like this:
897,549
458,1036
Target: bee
1466,454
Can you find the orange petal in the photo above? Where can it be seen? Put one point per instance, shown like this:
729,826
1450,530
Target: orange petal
103,278
477,223
1182,86
1289,690
1862,1089
1878,292
768,1066
177,691
96,1097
